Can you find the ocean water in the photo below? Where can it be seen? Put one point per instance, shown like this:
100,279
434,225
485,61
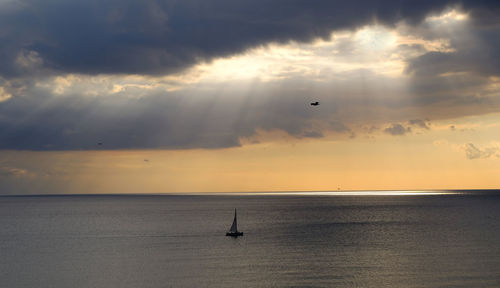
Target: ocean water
289,241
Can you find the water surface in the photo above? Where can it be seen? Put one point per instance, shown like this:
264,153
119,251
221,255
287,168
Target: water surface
448,240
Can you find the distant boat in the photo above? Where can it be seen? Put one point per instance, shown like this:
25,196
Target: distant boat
233,232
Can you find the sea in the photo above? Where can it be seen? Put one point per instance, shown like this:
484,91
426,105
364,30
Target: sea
327,239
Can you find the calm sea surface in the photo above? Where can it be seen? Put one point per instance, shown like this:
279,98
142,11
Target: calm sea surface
290,241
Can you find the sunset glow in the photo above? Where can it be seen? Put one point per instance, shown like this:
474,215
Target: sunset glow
404,104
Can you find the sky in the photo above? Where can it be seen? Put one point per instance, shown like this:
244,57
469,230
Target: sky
167,96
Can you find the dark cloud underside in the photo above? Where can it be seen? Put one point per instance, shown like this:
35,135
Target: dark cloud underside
151,37
55,37
177,120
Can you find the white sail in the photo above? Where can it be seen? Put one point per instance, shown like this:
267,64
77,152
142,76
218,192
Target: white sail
234,227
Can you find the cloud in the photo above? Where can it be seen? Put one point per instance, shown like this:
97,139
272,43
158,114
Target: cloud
397,129
472,48
419,123
473,152
166,36
4,96
200,117
313,134
211,106
76,112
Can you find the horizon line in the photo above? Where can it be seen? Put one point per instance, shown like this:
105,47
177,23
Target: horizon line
382,192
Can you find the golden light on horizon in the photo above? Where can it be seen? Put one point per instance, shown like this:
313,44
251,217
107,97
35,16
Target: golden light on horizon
376,121
384,163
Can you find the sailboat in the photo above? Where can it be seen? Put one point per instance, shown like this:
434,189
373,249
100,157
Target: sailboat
233,232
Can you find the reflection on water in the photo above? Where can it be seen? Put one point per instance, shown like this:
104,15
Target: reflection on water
445,240
352,193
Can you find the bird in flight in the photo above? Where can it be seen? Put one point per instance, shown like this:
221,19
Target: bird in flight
315,103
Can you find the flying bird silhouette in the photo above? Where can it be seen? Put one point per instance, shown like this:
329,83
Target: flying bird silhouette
315,103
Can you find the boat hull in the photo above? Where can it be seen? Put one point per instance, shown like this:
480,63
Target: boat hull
234,234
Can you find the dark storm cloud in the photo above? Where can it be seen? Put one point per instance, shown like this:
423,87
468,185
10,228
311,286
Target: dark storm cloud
483,59
203,115
83,123
154,36
41,38
174,120
476,49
